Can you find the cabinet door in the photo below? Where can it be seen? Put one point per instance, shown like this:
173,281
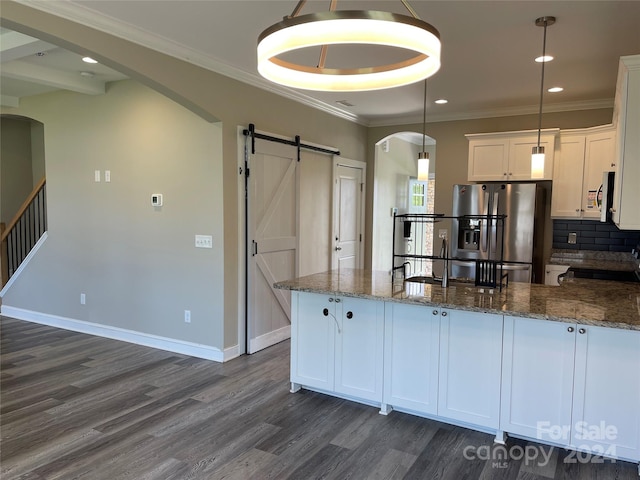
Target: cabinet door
520,156
312,340
567,177
359,348
599,155
488,159
606,397
411,354
470,364
537,378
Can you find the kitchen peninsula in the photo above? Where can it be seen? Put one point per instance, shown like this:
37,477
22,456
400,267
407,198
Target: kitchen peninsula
533,361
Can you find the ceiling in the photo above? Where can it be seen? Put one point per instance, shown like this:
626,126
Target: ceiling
488,49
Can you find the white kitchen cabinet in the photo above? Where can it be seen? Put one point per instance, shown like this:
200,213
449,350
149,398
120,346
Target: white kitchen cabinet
584,155
551,272
337,345
626,194
470,367
506,156
537,378
606,398
359,348
411,355
562,383
312,340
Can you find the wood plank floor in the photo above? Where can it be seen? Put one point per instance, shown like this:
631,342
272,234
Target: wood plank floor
78,406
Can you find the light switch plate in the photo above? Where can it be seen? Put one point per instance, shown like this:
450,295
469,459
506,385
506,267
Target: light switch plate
204,241
107,175
96,176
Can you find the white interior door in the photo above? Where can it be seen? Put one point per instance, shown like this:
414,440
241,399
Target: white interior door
348,223
273,241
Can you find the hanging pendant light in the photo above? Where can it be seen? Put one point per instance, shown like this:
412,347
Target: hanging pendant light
322,29
423,156
537,153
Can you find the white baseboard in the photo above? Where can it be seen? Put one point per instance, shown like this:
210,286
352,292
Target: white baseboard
148,340
268,339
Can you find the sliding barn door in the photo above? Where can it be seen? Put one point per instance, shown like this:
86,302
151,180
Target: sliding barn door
273,241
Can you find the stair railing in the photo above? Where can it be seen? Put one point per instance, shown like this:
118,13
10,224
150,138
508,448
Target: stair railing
23,231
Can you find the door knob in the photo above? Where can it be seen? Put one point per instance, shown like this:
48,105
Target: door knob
570,329
435,312
582,331
338,249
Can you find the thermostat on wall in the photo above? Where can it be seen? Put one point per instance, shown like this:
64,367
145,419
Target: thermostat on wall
156,199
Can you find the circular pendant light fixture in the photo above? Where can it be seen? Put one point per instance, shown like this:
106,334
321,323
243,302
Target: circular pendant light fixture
348,27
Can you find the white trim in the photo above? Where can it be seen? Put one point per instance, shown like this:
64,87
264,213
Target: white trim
346,162
24,263
242,246
148,340
270,338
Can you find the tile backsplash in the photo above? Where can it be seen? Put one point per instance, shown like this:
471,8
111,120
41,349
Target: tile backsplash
593,235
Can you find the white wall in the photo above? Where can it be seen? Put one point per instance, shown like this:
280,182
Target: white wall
136,263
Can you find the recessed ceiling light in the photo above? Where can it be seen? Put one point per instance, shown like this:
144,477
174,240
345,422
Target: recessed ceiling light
89,60
555,89
442,101
546,58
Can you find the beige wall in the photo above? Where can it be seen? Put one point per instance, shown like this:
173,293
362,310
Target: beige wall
135,263
15,165
213,97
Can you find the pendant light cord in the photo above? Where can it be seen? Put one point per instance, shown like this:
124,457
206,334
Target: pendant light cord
544,48
424,115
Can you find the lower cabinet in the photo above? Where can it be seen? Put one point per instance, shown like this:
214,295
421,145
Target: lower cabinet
564,383
337,345
470,365
572,385
443,362
411,357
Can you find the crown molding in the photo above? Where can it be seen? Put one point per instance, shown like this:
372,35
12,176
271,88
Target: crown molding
500,112
124,31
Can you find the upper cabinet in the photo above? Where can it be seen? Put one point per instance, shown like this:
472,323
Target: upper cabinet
626,194
506,156
583,156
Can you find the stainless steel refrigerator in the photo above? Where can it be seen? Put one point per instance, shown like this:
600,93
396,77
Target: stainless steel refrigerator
517,239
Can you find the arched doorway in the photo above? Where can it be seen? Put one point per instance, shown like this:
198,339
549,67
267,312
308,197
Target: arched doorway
397,190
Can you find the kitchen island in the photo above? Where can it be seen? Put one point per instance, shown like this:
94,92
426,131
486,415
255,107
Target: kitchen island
558,365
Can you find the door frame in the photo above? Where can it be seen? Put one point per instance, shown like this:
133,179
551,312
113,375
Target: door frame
346,162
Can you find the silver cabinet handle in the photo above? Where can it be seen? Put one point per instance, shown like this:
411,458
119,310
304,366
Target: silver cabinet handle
570,329
349,314
330,299
337,300
435,312
582,331
444,314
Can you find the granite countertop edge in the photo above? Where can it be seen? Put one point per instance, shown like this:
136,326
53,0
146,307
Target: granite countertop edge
399,296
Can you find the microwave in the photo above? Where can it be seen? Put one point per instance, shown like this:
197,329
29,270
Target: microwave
605,197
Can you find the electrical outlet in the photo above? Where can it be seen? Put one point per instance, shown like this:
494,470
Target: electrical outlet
204,241
83,299
573,237
394,211
443,233
187,316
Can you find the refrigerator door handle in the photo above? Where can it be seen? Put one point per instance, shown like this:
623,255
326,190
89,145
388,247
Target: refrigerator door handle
493,240
484,237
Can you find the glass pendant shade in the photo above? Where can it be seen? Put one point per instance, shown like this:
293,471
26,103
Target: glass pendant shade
423,166
537,163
